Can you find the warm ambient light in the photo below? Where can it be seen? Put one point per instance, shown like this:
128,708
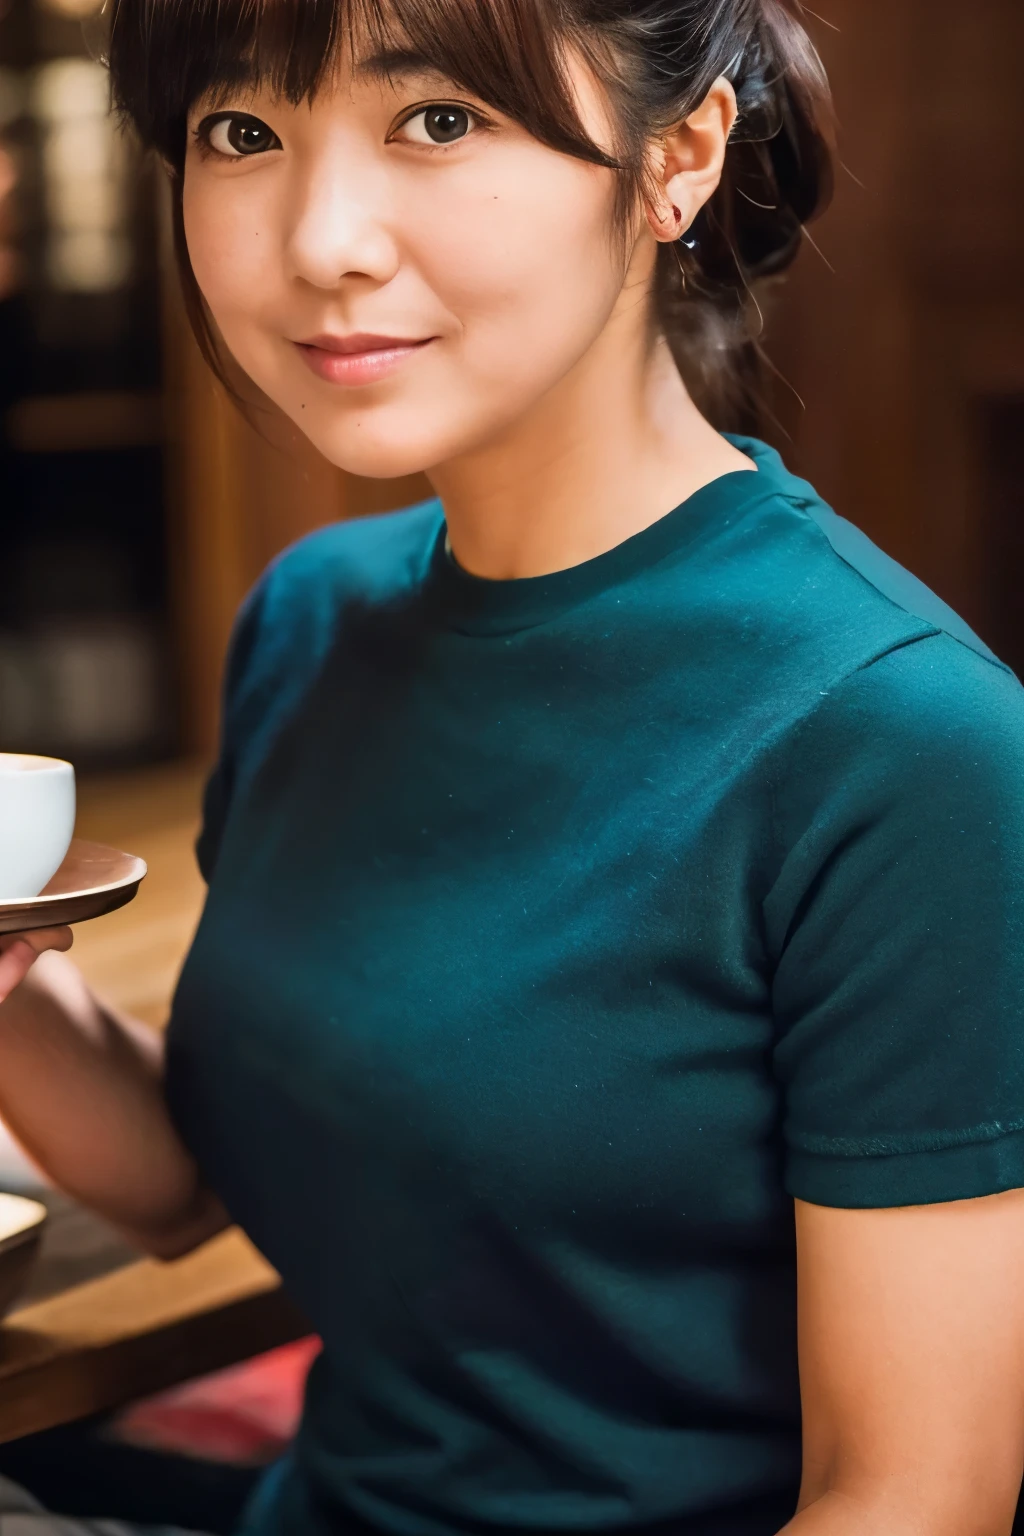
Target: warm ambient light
75,10
85,160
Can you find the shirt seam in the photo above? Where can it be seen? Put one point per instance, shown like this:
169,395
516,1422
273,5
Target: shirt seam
803,506
805,713
922,1143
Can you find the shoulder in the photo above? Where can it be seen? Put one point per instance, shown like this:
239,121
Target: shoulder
887,709
374,559
912,762
819,585
291,620
289,624
296,606
926,709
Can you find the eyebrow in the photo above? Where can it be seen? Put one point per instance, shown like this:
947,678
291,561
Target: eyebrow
233,76
394,63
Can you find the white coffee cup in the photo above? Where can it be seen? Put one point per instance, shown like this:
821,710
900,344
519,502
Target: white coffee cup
37,821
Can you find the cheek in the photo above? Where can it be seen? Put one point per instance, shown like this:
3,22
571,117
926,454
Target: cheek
525,258
225,232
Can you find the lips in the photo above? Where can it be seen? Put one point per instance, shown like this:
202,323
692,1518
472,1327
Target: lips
360,358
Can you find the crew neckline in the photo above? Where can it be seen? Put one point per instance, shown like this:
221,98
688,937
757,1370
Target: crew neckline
480,606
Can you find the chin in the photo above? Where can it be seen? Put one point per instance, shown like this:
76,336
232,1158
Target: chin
372,456
387,443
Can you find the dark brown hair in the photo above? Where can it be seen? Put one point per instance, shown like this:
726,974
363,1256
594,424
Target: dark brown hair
657,59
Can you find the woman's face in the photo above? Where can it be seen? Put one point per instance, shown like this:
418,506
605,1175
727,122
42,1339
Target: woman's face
402,269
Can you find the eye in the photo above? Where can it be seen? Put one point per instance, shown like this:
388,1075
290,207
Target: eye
237,134
438,124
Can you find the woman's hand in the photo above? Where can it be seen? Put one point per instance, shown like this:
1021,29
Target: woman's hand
20,951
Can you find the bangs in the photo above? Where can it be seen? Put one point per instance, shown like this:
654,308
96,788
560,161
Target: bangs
656,61
167,54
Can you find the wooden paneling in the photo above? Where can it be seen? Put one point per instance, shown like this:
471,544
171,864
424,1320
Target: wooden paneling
922,318
1001,434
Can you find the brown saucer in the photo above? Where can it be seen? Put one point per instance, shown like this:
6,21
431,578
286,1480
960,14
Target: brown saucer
92,881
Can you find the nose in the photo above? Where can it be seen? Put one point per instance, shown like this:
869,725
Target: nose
339,227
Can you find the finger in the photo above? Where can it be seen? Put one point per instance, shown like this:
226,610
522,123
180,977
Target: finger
49,938
40,939
20,951
16,961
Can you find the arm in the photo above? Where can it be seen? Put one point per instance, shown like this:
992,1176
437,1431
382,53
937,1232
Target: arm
81,1090
912,1368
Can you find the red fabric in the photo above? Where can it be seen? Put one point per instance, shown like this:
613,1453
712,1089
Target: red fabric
246,1415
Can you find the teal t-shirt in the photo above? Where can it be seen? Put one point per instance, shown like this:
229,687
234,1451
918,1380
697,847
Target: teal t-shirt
559,933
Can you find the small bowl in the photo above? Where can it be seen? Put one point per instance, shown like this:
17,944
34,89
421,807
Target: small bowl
21,1231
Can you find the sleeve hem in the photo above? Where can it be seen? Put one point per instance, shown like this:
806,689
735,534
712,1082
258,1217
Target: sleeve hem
965,1172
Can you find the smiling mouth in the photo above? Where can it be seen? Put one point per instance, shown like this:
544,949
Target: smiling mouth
357,359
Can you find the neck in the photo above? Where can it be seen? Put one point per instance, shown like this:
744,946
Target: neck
611,449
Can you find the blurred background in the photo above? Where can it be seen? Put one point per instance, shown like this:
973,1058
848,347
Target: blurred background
84,650
136,506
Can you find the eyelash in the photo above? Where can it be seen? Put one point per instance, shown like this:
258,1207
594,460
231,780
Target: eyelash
203,131
476,118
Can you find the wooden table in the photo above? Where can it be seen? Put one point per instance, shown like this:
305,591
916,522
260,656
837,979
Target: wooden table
147,1325
138,1330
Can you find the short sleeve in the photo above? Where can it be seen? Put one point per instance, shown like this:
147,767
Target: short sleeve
896,928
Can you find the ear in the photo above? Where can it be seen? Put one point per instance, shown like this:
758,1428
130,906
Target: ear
687,163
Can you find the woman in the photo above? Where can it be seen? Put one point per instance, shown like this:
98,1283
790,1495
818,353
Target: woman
615,865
